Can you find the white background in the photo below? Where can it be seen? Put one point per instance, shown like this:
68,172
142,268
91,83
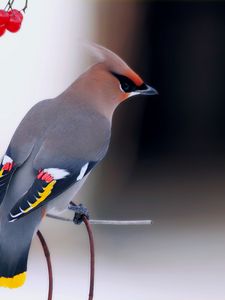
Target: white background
177,258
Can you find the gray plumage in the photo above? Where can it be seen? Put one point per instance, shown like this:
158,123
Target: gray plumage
53,150
51,135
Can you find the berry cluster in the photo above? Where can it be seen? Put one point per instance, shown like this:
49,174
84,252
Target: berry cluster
10,20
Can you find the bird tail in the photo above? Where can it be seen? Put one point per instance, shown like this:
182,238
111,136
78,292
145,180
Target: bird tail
15,241
13,265
14,281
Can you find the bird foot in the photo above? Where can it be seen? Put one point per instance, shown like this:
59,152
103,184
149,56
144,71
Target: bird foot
80,212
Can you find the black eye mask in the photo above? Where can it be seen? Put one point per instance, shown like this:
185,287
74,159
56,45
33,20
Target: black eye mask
126,84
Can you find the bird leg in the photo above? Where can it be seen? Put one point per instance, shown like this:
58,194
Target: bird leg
80,212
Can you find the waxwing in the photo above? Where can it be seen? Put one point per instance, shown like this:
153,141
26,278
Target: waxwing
52,152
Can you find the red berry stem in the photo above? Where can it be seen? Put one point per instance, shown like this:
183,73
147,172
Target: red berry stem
25,6
9,5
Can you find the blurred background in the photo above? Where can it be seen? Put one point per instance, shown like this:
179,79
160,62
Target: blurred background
166,161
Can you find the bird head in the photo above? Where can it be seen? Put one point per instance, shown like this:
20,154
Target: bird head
108,82
115,74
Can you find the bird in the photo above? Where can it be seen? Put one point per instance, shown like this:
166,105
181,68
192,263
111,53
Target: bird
54,149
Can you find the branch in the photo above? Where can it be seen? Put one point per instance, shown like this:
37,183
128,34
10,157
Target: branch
105,222
91,242
92,258
49,264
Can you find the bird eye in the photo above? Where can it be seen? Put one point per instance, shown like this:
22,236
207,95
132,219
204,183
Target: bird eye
126,84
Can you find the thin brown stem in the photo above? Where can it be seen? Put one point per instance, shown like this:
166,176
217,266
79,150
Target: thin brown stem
92,258
48,259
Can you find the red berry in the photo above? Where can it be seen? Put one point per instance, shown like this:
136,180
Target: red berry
14,23
2,29
15,12
4,16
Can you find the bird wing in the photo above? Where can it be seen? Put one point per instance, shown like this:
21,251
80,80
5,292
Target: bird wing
70,148
48,184
22,143
7,169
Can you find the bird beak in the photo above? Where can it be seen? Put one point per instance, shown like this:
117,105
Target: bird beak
145,89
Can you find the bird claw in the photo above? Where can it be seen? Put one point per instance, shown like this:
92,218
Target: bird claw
80,212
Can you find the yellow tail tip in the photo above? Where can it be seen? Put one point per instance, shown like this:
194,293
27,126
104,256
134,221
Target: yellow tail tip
13,282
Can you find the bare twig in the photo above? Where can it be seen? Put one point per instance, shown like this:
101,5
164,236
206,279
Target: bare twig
91,242
118,222
48,259
91,239
105,222
92,258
